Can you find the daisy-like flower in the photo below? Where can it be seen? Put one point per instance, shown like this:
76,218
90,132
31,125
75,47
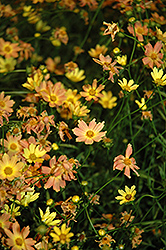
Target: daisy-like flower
48,218
146,115
111,29
54,66
122,60
141,104
106,240
126,218
158,77
92,92
12,144
34,153
10,168
72,96
127,195
8,49
97,51
140,30
62,235
121,162
76,75
18,239
108,101
27,197
7,64
6,103
12,210
89,134
153,57
128,86
4,220
160,35
34,80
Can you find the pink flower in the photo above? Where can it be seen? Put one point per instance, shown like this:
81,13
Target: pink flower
139,30
121,162
89,134
153,57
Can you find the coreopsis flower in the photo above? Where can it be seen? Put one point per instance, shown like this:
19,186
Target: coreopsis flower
7,64
34,153
13,210
4,114
76,75
71,96
26,51
106,240
89,134
28,197
97,51
94,199
108,100
92,92
48,218
137,237
77,50
4,220
10,168
70,66
141,104
54,94
153,57
8,49
79,110
158,19
44,244
12,144
128,86
26,112
62,235
60,34
5,103
54,66
158,77
146,115
160,35
111,29
64,130
34,80
149,94
122,60
127,195
121,162
126,218
18,239
139,30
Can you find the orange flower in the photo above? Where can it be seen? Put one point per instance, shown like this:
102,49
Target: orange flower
97,51
53,65
121,162
12,144
139,30
17,240
153,57
89,134
6,103
92,92
8,49
112,29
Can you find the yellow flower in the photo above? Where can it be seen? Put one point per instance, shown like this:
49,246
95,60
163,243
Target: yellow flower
72,96
27,198
158,77
34,153
127,195
7,64
11,210
62,234
97,51
107,100
128,86
76,75
34,80
48,218
141,104
122,60
10,168
55,146
116,50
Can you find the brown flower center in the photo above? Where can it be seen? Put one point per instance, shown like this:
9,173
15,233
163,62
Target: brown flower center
90,133
158,81
153,56
7,48
92,92
128,197
127,161
8,170
19,242
140,30
2,104
32,157
53,98
62,237
13,146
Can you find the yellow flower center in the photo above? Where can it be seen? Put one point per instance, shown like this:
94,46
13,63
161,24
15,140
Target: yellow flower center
13,146
62,237
53,98
128,197
140,30
158,81
112,69
19,242
90,133
2,104
127,161
8,170
153,56
126,87
126,217
32,157
15,131
92,92
7,49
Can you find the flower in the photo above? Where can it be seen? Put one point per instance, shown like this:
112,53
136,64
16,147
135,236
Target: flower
97,51
141,104
7,64
4,220
12,144
128,86
136,238
18,240
158,77
107,100
111,29
153,57
122,60
160,35
28,197
34,153
10,168
8,49
64,130
6,103
12,210
92,92
121,162
48,218
138,30
53,65
126,218
106,240
146,115
76,75
34,80
89,134
62,234
127,195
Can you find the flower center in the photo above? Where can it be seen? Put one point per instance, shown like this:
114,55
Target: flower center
19,242
15,131
32,157
127,88
90,133
62,237
112,69
153,56
158,81
92,92
53,98
2,104
128,197
7,49
140,30
13,146
127,161
8,170
126,217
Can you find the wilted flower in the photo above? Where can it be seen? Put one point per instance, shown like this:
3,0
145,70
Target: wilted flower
111,29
